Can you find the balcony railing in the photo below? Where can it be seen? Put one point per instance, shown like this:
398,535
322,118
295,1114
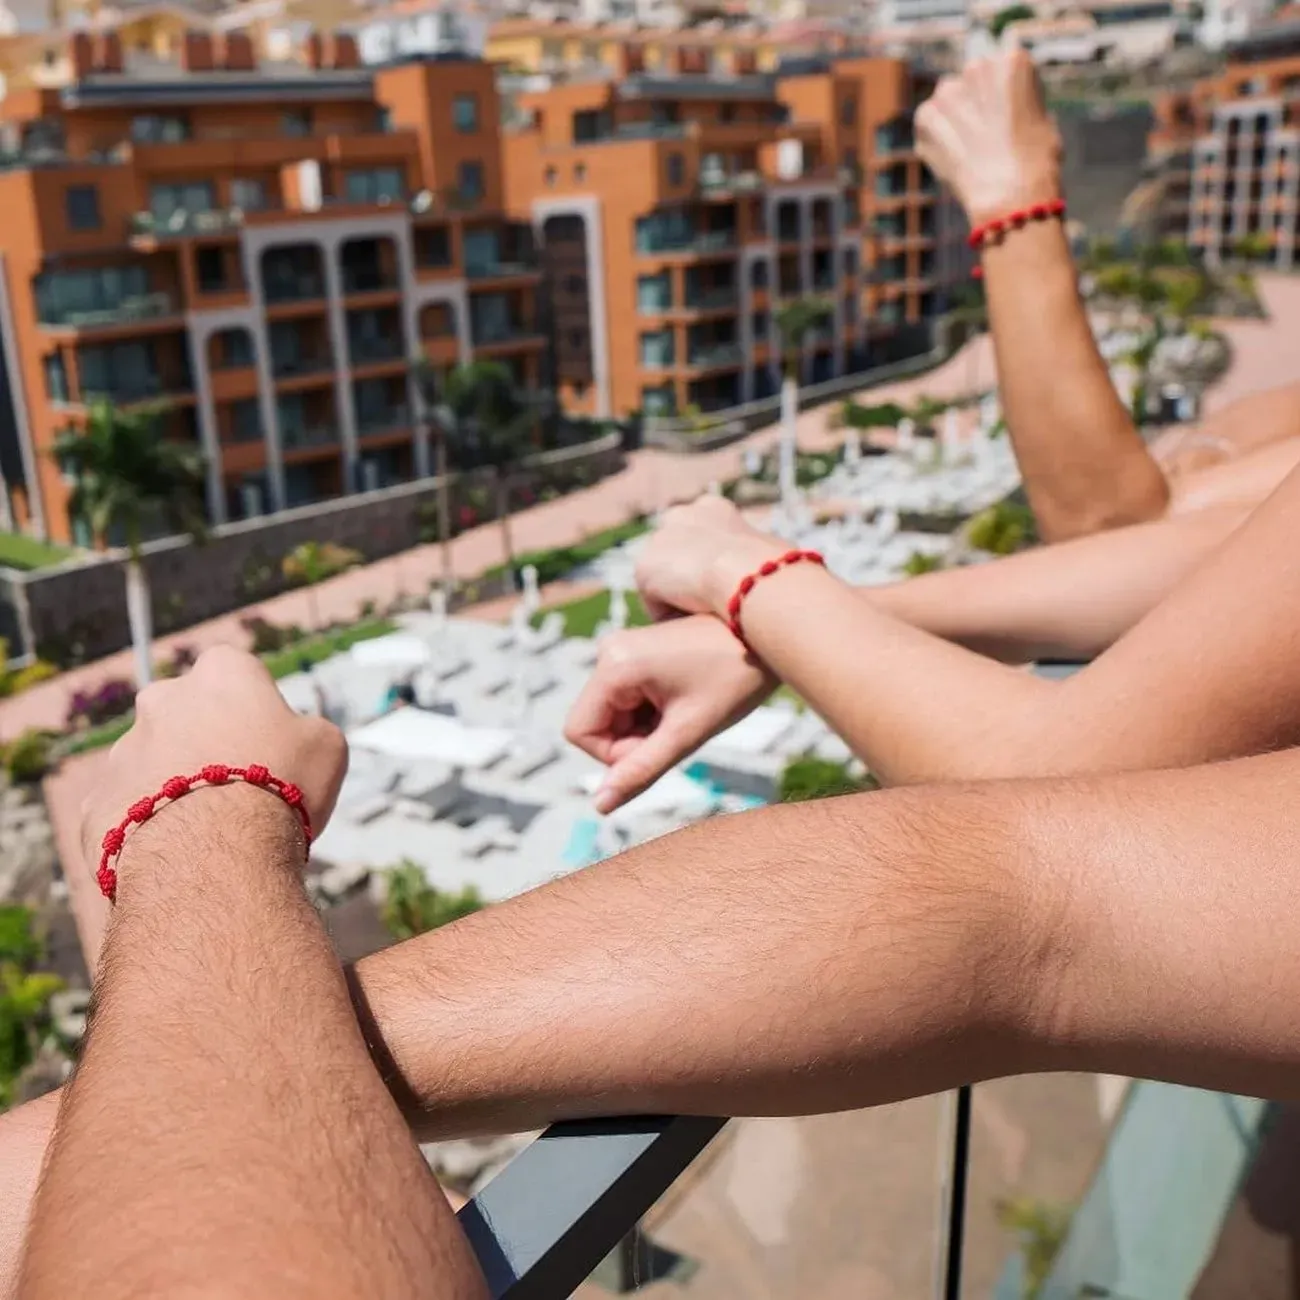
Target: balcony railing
289,367
486,336
569,1200
746,182
715,356
709,299
183,222
363,350
144,307
294,288
496,269
707,241
389,421
365,279
309,435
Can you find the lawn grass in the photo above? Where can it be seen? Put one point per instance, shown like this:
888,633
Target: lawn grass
19,552
581,617
281,663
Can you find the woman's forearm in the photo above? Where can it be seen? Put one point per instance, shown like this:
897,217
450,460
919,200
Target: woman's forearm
1069,601
1084,465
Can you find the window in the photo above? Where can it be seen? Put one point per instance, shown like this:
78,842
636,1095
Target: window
464,113
171,204
291,415
433,246
383,119
850,261
234,349
659,400
154,128
246,420
469,181
247,194
210,266
489,315
758,275
296,121
575,284
549,176
654,293
590,124
56,377
63,297
578,339
849,158
81,203
657,349
758,326
848,110
727,113
482,251
375,185
121,371
676,169
579,172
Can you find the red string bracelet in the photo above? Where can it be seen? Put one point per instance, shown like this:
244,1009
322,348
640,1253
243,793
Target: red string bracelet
983,234
176,787
763,571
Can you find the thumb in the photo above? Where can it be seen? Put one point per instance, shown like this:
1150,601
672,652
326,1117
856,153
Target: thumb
642,763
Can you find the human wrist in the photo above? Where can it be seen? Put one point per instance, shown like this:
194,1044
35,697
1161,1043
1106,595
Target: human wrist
213,833
733,563
1036,185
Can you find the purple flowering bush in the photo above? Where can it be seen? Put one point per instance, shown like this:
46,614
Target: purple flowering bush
111,700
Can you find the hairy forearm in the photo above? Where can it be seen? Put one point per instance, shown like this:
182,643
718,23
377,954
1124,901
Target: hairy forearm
911,706
1083,462
1069,601
224,1079
833,956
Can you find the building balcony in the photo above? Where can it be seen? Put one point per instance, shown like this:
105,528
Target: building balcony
357,280
299,288
724,298
369,351
374,424
298,367
309,437
130,311
507,338
145,228
728,187
716,356
709,241
502,270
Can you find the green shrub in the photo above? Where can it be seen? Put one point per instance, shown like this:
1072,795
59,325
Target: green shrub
919,562
1002,528
820,778
412,906
885,415
560,560
40,671
27,759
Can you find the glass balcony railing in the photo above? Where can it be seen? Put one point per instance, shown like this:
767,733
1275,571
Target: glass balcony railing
709,299
143,307
715,355
309,435
707,241
289,367
657,360
492,268
484,335
363,350
366,279
214,221
293,288
123,390
387,421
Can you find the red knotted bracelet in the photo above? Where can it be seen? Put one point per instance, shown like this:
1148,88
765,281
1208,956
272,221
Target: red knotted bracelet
763,571
982,234
175,787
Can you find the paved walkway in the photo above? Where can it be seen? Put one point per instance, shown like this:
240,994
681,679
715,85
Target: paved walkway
650,481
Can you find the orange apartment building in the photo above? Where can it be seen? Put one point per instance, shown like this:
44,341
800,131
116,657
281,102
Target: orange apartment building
675,210
261,250
1228,150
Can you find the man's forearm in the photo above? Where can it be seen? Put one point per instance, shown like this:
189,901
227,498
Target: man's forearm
1069,601
1083,462
223,1040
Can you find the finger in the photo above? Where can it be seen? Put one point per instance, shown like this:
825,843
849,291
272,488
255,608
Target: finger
643,764
154,700
592,724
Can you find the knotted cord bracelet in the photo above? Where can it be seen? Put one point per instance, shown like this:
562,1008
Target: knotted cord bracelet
765,570
176,787
980,236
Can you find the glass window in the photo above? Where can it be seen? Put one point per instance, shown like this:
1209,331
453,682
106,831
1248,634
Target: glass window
210,267
848,110
482,251
464,113
374,185
657,348
659,400
489,317
296,121
469,178
758,326
63,296
291,415
56,377
121,371
654,292
81,203
172,203
235,348
850,261
247,194
676,169
246,420
758,275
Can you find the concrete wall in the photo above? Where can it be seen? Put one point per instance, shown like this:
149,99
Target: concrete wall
77,612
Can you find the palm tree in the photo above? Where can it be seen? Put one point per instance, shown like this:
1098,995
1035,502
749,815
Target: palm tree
130,479
795,320
427,381
311,563
487,421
